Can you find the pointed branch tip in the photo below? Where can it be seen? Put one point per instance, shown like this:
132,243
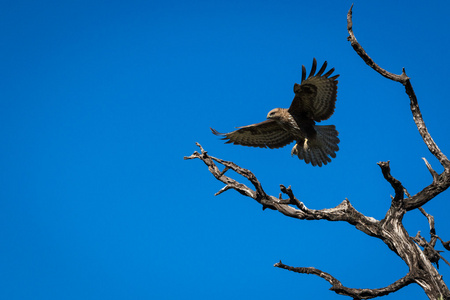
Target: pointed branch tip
433,173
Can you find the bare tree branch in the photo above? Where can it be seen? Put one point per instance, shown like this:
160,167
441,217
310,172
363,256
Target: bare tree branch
396,184
343,212
433,173
338,288
310,270
362,53
403,79
230,183
430,219
441,182
416,262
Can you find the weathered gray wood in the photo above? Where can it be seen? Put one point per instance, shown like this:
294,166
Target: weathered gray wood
394,234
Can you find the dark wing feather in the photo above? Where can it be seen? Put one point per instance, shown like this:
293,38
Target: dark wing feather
265,134
315,97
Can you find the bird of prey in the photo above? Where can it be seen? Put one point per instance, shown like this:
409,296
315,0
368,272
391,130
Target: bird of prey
314,101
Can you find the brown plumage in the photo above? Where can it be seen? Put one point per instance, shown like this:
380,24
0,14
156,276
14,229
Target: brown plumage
314,101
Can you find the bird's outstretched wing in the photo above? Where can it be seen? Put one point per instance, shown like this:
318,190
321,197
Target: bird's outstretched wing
315,97
265,134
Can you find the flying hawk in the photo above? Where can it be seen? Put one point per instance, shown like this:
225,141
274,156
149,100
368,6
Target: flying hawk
314,101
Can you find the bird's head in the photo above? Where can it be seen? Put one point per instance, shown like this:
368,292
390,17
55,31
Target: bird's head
274,113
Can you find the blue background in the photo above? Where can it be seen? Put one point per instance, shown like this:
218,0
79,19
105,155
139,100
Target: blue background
100,101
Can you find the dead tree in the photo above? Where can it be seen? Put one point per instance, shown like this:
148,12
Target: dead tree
418,253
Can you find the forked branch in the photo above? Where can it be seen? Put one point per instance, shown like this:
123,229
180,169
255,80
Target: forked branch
427,280
405,80
294,208
343,212
440,182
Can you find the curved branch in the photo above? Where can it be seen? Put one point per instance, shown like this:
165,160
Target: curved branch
343,212
440,182
338,288
403,79
369,61
420,123
396,184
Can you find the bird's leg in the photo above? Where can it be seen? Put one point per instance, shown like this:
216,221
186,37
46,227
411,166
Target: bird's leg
294,150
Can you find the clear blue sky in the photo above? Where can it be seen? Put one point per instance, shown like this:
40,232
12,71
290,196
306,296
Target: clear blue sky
100,101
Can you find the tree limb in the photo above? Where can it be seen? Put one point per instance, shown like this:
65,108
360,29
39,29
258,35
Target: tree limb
425,275
338,288
343,212
396,184
369,61
441,182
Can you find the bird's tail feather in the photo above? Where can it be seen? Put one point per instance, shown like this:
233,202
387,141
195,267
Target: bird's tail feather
318,151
